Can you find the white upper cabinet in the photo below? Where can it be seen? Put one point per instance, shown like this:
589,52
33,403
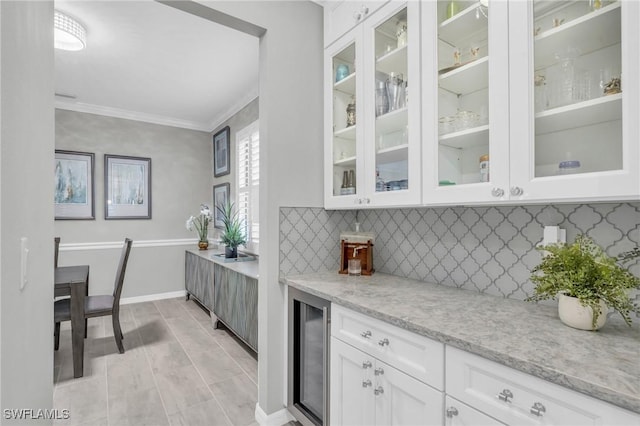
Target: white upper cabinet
372,120
484,102
341,16
465,70
574,100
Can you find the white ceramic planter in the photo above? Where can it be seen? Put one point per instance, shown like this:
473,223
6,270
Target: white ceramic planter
573,314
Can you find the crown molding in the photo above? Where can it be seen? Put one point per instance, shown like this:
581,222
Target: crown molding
209,127
234,109
131,115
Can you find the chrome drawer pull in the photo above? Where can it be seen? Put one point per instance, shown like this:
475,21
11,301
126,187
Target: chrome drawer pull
538,409
505,395
384,342
366,334
378,371
366,364
451,412
366,383
378,391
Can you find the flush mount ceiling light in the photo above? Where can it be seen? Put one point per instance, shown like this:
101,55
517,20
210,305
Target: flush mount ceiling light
69,34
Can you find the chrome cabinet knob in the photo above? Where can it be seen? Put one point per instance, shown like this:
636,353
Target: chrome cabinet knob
505,395
367,200
366,334
366,383
538,409
357,16
366,364
384,342
497,192
516,191
378,391
451,412
378,371
365,10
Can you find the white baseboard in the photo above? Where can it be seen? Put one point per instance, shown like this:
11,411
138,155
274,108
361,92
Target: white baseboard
274,419
152,297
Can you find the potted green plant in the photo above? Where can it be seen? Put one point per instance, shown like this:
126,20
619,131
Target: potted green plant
200,224
233,231
586,281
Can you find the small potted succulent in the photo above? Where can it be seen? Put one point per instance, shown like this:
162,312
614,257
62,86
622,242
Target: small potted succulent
200,224
233,231
586,281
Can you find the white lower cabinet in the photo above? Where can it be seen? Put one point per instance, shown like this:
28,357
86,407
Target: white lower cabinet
460,414
367,391
516,398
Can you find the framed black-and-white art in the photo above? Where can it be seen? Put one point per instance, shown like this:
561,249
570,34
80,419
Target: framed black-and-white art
74,185
220,199
127,187
221,154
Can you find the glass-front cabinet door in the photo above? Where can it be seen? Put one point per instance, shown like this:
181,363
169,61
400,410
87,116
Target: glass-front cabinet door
343,122
392,102
372,111
574,99
465,69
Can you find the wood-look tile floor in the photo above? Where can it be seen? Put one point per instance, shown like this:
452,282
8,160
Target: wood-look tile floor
176,370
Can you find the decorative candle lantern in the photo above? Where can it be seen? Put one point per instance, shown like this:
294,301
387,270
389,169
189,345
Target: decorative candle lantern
351,113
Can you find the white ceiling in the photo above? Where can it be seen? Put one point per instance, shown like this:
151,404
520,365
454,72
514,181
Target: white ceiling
150,62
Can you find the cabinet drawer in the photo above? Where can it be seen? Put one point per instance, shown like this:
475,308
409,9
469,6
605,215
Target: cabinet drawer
485,385
341,17
460,414
416,355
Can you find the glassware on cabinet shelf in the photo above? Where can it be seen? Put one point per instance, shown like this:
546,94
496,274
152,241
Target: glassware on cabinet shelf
577,57
344,117
395,91
382,99
391,103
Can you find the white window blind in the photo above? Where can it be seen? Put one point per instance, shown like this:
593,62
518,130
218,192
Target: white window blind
248,146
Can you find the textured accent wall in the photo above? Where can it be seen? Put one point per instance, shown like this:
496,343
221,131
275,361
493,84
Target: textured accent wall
485,249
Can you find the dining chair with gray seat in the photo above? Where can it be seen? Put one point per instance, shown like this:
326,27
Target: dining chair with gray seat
99,305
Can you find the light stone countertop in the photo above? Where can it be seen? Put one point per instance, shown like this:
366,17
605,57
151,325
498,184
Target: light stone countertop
525,336
247,267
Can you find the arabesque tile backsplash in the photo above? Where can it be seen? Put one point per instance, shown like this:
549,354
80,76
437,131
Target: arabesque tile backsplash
485,249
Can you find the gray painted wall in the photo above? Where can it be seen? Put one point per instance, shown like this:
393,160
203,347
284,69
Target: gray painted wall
181,169
26,144
239,121
291,150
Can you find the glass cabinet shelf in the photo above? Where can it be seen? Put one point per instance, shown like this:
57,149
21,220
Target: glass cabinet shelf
594,111
467,78
477,136
392,154
347,85
456,29
586,34
392,121
348,133
394,61
346,162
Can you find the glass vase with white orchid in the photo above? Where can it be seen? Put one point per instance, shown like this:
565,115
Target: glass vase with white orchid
200,223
